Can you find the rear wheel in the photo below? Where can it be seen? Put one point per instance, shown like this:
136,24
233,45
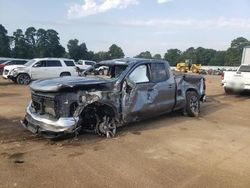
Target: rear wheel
192,104
23,79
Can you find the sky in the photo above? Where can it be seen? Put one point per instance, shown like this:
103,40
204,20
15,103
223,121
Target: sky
134,25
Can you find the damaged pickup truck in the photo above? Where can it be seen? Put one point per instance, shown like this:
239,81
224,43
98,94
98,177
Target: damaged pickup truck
130,90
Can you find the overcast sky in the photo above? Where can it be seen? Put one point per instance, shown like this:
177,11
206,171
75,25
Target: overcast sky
135,25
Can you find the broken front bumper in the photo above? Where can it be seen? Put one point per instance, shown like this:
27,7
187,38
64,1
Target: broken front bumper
47,127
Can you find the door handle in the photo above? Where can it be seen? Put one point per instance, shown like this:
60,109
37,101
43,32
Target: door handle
170,86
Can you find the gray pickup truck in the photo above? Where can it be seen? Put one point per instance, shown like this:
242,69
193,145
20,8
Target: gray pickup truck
130,90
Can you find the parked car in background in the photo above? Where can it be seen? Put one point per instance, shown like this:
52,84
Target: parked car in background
12,62
84,64
236,82
40,68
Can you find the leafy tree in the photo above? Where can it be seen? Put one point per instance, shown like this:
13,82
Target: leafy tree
240,43
115,52
145,55
218,59
41,45
190,53
4,42
54,48
204,56
90,55
234,53
100,56
30,37
48,44
172,56
157,56
233,57
20,49
77,51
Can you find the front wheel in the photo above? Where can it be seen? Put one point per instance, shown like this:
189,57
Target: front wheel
192,104
106,127
23,79
228,91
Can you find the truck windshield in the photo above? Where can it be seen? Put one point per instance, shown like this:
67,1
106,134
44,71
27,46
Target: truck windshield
244,68
111,72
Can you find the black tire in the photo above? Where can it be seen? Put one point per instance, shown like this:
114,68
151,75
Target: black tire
65,74
23,79
192,104
228,91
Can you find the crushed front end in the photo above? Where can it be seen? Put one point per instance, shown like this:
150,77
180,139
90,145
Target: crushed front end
49,115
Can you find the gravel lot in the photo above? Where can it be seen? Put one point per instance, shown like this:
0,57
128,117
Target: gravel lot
169,151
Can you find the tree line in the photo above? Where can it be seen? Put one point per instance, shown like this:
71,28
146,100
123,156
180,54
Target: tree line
37,43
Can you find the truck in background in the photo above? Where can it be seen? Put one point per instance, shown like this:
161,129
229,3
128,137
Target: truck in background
238,81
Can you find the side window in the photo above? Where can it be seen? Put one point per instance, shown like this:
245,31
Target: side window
140,74
21,62
70,63
11,63
17,62
40,64
53,63
89,63
159,73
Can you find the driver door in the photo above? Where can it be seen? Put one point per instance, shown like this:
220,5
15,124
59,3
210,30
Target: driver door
136,95
38,70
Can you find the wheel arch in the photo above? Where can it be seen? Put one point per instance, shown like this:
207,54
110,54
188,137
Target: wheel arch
65,72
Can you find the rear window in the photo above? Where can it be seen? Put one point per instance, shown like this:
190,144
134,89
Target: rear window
244,68
69,63
2,61
53,63
159,73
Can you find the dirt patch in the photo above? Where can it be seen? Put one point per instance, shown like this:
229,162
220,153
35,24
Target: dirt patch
167,151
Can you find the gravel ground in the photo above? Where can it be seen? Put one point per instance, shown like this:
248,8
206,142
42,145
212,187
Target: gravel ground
168,151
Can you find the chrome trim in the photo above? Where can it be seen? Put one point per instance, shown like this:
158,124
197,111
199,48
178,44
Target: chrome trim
45,123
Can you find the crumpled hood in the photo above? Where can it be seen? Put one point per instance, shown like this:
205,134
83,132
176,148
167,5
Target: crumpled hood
54,85
11,67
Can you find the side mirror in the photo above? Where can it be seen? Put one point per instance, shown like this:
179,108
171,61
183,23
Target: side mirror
36,65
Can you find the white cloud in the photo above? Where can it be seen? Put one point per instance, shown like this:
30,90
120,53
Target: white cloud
163,1
236,23
91,7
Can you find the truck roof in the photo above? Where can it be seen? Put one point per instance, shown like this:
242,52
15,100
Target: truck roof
129,61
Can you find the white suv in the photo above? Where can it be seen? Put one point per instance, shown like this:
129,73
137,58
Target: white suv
40,68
